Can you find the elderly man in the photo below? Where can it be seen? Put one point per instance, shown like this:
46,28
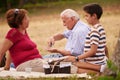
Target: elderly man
75,35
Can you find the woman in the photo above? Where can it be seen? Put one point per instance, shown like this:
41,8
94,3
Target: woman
23,51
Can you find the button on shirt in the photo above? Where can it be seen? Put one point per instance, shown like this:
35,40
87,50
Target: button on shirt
76,38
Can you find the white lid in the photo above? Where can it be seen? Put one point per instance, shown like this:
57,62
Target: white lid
46,66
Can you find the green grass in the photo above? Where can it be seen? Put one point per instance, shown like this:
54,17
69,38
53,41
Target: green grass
58,6
48,78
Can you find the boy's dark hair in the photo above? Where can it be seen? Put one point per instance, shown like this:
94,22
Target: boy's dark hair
93,9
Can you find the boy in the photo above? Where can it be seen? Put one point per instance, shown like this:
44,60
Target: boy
94,57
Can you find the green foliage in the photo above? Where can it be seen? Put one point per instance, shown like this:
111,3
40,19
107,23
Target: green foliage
7,78
112,66
31,4
113,73
46,78
9,1
106,78
109,77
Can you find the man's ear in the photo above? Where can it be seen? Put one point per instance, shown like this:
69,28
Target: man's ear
73,18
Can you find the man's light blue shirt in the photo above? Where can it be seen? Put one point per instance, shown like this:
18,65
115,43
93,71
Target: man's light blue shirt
76,38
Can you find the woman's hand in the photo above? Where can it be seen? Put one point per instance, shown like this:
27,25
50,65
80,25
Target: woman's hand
4,68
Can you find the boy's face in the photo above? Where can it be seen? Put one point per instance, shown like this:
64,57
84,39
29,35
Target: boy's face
89,18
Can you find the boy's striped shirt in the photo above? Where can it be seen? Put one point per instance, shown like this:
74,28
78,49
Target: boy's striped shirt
96,36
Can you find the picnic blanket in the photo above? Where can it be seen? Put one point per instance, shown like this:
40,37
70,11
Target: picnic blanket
18,75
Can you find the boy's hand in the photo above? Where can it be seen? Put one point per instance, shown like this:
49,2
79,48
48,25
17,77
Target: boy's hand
70,59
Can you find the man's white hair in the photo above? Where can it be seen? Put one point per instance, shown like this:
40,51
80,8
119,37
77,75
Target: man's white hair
70,13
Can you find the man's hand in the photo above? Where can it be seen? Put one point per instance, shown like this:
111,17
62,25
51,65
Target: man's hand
51,42
53,50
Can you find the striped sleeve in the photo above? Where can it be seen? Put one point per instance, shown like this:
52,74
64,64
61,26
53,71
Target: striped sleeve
94,37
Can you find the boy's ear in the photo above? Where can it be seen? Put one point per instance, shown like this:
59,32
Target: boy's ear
94,16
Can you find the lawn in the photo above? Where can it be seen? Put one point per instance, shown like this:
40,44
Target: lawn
48,22
45,22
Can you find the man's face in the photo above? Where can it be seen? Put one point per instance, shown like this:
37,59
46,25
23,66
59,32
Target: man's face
68,22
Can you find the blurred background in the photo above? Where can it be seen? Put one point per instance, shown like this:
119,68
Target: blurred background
45,20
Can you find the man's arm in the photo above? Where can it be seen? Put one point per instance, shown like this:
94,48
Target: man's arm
58,36
54,38
64,52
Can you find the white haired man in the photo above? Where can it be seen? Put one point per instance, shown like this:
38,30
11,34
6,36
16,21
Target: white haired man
75,35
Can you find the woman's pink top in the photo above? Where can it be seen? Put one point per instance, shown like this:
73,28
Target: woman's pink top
23,49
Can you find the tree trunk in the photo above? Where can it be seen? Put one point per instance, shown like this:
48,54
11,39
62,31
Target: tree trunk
116,55
21,3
